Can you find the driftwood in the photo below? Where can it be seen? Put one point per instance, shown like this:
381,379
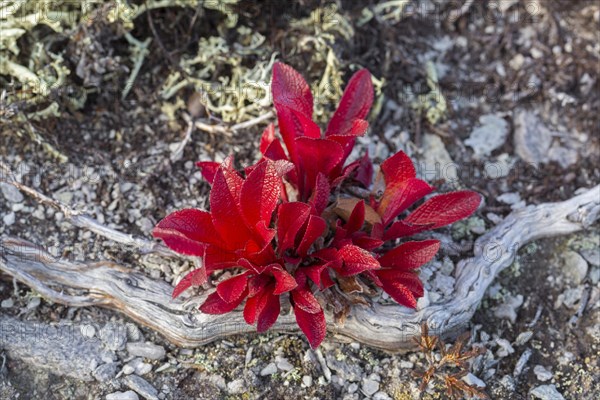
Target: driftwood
389,327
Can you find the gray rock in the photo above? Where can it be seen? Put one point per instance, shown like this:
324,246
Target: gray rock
523,338
522,362
381,396
11,193
105,372
146,350
437,163
508,309
7,303
139,366
9,219
307,380
141,386
114,336
532,138
133,333
350,372
352,388
592,256
268,370
128,369
128,395
546,392
489,136
472,380
370,386
284,365
236,387
542,373
576,267
218,381
505,348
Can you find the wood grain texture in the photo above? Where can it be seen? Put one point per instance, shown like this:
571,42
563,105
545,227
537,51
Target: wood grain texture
389,327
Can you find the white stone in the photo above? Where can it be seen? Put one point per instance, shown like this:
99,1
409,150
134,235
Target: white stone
128,395
490,135
576,266
546,392
236,387
370,386
9,219
269,370
542,373
307,380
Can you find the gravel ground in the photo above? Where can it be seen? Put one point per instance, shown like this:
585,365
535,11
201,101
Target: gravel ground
520,86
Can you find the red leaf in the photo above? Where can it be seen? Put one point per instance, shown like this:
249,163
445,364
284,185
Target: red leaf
259,194
410,255
291,90
314,229
225,207
445,209
270,146
346,172
319,274
355,104
400,293
356,260
399,197
216,258
231,289
196,277
402,286
313,325
290,218
208,169
304,299
356,219
284,282
402,229
320,194
269,312
315,156
214,304
364,172
187,231
366,242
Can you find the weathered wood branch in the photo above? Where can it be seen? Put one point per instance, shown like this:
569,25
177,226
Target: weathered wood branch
390,327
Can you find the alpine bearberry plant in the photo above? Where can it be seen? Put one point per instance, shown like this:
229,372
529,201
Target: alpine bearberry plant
286,227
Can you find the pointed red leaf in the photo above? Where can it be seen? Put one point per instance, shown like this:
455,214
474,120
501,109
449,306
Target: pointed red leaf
208,169
216,258
445,209
304,299
259,194
214,304
355,104
364,172
187,231
356,260
408,279
313,325
290,218
196,277
284,282
366,242
269,312
231,289
346,172
356,219
320,195
399,197
319,274
268,136
251,308
291,90
402,229
314,229
270,146
225,207
400,293
315,156
410,255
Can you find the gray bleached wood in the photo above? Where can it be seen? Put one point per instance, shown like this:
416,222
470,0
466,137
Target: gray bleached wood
389,327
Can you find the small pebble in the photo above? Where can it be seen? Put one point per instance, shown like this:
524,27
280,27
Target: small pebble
268,370
307,380
7,303
284,365
352,388
146,350
236,387
369,386
128,395
523,338
546,392
9,219
542,373
472,380
142,387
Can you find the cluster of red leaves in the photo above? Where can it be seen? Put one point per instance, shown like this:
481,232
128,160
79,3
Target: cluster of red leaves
276,222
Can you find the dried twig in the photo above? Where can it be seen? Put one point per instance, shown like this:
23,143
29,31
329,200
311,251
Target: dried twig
234,128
